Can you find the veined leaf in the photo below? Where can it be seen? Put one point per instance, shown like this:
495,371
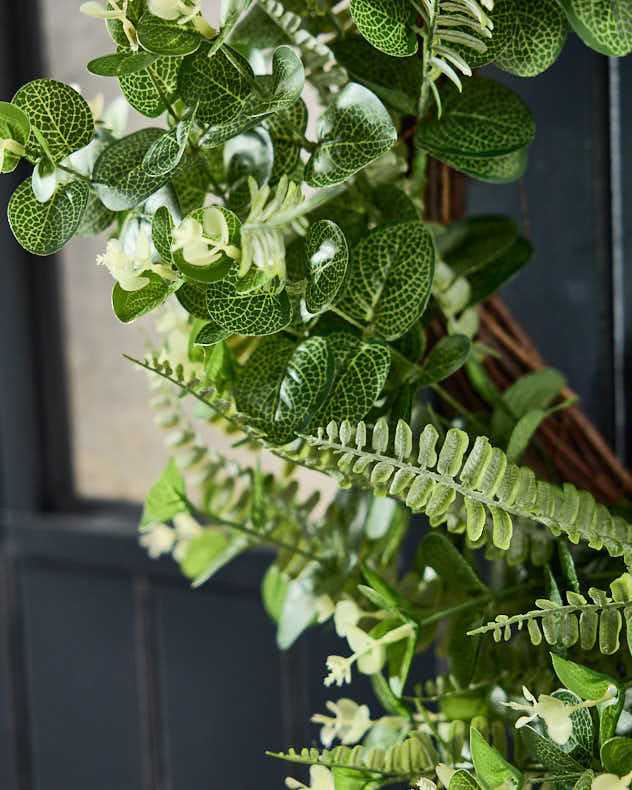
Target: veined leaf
165,154
147,90
44,228
61,115
210,334
354,130
121,179
282,128
547,752
261,312
605,25
486,120
130,305
531,34
387,25
586,683
282,385
216,85
472,244
447,356
96,217
14,125
326,257
283,88
491,767
360,371
166,38
121,63
495,169
396,81
390,278
532,391
166,497
502,269
616,755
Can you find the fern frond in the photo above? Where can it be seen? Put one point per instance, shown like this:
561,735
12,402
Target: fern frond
449,22
576,621
399,763
439,481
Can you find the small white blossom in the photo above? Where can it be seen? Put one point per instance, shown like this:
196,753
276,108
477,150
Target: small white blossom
128,269
186,529
349,722
347,613
174,9
158,539
555,713
204,244
118,11
339,670
324,608
320,778
611,782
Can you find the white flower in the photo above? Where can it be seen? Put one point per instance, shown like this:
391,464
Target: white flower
158,539
174,9
611,782
12,146
349,723
347,613
128,269
203,245
555,713
324,608
320,778
425,784
118,11
339,670
186,529
445,774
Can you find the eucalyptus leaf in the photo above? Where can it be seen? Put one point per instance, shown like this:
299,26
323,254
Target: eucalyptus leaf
163,37
387,25
61,115
44,180
44,228
284,87
210,334
298,611
455,571
354,131
202,552
446,357
130,305
477,242
500,271
390,278
523,432
605,25
165,154
121,63
326,257
261,312
149,89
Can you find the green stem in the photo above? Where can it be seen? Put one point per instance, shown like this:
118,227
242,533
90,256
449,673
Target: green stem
161,93
74,173
467,415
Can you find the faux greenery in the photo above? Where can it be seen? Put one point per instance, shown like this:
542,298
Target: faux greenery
315,311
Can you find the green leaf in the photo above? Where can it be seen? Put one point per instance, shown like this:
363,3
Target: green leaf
121,63
523,433
298,611
354,130
394,204
44,228
492,769
274,591
496,169
202,551
209,556
283,88
61,115
161,233
135,10
282,128
463,780
585,781
210,334
165,154
446,357
14,125
282,385
167,496
387,25
463,650
545,751
502,269
605,25
532,35
360,372
166,38
616,755
586,683
148,89
455,571
96,217
476,243
530,392
390,278
581,740
395,81
121,180
219,89
326,258
486,120
130,305
255,313
192,296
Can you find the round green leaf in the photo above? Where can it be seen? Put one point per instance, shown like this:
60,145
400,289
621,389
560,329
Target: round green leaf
254,313
586,683
491,767
192,296
210,334
447,356
616,755
130,305
605,25
486,120
532,35
220,89
281,127
14,125
283,88
496,169
62,115
166,38
390,278
326,257
121,63
164,155
387,25
147,90
354,131
44,228
96,218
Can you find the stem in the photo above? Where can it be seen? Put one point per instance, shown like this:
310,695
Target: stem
75,173
162,95
467,415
